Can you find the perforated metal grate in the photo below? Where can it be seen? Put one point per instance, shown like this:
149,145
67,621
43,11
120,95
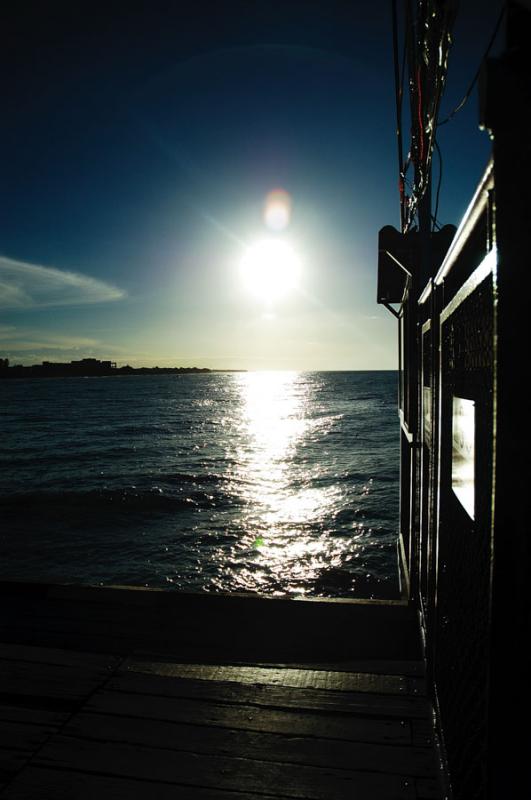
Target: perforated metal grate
464,559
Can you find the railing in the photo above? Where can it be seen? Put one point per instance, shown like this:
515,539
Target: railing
464,337
456,384
447,400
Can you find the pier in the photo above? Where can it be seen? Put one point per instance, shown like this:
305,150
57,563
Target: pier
120,692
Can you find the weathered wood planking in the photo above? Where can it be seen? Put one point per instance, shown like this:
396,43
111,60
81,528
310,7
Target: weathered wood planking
413,669
21,736
320,700
38,783
373,667
248,717
35,672
22,731
65,658
47,680
32,716
282,676
11,761
40,635
39,689
202,720
220,772
293,747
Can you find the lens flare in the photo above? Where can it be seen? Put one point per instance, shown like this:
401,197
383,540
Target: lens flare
277,210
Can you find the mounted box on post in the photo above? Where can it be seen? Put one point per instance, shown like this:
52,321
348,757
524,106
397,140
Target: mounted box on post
400,259
398,255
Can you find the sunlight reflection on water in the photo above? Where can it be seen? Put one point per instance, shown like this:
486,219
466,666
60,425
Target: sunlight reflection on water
273,420
276,424
272,482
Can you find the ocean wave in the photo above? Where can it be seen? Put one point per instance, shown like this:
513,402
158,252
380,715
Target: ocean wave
121,500
143,483
340,582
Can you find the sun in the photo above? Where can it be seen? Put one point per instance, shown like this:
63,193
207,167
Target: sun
270,269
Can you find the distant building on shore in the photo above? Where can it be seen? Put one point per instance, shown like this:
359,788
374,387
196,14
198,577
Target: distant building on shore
84,363
84,367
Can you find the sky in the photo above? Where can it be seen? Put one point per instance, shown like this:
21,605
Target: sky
139,144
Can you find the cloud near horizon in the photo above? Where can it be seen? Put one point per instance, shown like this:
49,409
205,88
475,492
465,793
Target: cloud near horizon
24,285
32,346
19,339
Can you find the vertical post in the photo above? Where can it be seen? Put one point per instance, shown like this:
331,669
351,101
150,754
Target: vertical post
506,114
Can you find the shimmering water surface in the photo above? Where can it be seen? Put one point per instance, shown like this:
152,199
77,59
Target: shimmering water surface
272,482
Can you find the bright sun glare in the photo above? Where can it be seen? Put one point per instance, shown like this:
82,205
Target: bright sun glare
270,269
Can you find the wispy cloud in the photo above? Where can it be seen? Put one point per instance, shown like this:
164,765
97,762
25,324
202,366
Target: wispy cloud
26,285
19,339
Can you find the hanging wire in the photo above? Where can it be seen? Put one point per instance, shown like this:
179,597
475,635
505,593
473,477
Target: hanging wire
439,182
428,53
398,102
468,92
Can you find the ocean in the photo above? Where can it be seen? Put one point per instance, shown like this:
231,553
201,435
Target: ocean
282,483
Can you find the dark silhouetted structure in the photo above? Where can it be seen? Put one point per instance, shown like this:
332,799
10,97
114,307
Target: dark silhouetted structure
85,368
463,326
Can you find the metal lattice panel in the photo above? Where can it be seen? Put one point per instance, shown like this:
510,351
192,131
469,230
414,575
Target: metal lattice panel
464,559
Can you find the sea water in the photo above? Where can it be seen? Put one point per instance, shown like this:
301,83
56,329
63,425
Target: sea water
271,482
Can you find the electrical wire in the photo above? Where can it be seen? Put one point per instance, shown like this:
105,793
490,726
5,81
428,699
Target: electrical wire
420,115
428,65
398,102
439,182
425,52
468,92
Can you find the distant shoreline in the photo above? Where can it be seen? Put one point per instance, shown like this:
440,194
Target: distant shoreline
39,371
106,370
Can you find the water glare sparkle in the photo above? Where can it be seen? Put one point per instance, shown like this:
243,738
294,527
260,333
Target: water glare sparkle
287,495
279,483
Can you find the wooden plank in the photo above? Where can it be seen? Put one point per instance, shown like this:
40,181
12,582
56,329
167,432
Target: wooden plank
252,718
32,716
62,657
188,769
100,640
105,635
374,667
401,706
60,672
25,678
292,748
38,783
20,736
77,627
275,676
11,761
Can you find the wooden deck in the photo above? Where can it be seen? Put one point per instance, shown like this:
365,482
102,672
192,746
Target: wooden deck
93,705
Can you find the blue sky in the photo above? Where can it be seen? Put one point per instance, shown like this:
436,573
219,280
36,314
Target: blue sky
138,150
